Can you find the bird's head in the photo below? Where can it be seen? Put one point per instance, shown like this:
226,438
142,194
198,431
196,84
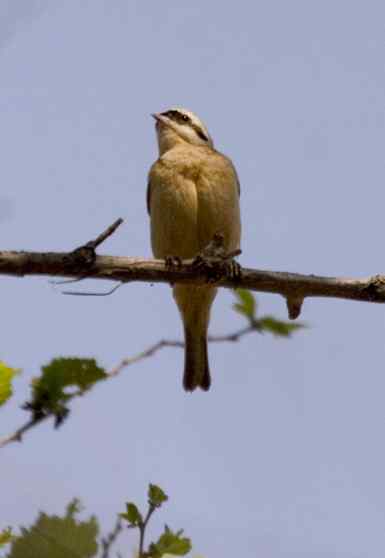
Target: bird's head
179,125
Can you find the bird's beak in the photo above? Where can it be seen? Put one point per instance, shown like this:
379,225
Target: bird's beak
160,120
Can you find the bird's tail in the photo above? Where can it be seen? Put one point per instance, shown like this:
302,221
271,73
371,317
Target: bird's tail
196,363
194,303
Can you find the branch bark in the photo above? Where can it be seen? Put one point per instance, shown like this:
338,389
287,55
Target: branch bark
84,263
292,286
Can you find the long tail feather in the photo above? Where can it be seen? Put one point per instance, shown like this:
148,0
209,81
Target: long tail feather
196,366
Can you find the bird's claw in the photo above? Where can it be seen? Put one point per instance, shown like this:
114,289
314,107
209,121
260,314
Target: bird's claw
234,269
216,263
173,261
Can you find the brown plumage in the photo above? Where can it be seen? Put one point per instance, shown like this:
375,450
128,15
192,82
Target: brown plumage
193,193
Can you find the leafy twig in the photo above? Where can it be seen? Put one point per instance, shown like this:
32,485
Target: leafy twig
169,542
109,540
294,287
143,526
50,398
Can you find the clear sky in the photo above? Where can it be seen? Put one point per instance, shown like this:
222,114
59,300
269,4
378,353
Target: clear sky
284,457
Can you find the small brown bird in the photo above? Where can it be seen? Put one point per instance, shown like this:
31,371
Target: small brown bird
192,195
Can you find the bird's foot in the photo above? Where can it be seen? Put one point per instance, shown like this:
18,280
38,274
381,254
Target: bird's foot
216,262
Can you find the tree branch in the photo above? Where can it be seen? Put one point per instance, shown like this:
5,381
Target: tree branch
292,286
84,263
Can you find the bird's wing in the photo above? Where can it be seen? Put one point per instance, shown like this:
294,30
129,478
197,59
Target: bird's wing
235,173
148,195
149,187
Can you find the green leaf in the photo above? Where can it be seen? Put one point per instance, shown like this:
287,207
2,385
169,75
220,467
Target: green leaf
6,376
57,537
6,536
73,508
247,304
156,496
61,373
170,543
60,379
132,515
279,328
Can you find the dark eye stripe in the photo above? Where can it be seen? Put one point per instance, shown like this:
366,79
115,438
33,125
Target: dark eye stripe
177,116
200,133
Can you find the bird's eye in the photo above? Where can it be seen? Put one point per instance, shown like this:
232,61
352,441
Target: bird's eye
178,116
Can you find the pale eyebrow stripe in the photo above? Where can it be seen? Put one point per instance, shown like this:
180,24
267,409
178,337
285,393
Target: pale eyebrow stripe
189,122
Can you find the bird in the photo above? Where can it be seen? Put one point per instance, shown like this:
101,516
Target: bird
192,195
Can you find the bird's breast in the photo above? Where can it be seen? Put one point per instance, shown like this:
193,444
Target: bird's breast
174,215
192,198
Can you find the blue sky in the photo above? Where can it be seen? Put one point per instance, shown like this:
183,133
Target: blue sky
284,456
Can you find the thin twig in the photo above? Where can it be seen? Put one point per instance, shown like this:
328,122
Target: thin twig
86,293
144,354
232,336
67,281
110,539
105,234
142,528
18,434
150,351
